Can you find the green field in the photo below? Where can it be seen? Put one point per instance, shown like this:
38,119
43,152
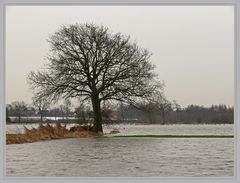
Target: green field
176,136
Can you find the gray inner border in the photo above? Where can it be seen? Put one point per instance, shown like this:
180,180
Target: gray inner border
235,3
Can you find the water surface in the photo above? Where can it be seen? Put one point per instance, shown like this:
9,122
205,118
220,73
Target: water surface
130,129
148,157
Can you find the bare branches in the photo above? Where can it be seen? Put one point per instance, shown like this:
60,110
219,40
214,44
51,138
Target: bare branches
88,61
87,58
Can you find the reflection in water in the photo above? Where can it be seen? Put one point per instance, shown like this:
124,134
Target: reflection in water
122,157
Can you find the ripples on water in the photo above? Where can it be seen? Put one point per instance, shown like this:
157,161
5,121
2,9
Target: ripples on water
123,157
128,129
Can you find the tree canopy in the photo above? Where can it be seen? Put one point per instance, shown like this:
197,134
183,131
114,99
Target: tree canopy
89,61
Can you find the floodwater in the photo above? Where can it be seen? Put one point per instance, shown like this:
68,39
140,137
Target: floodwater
129,129
128,157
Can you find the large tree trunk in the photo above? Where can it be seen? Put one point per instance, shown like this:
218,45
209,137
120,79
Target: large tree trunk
97,124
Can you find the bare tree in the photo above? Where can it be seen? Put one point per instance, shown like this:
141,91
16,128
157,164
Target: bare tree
42,104
149,108
56,113
81,113
19,109
176,106
7,113
62,111
157,104
164,107
89,61
107,111
67,108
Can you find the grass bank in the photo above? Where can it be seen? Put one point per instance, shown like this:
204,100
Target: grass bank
48,132
175,136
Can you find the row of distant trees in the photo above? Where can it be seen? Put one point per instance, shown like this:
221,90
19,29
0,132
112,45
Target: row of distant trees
172,114
41,109
159,111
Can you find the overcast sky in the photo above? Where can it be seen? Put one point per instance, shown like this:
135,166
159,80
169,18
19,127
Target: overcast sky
192,46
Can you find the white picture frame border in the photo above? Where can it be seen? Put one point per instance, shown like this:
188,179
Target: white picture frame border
234,179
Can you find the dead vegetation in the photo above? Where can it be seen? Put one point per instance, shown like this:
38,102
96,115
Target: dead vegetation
47,132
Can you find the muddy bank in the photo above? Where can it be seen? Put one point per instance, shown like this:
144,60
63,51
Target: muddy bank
48,132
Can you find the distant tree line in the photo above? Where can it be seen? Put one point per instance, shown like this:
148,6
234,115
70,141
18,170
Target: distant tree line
173,114
20,110
159,111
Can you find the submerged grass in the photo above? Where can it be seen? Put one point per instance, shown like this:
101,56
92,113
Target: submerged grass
47,132
175,136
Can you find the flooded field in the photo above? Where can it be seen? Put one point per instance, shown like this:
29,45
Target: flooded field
93,157
129,129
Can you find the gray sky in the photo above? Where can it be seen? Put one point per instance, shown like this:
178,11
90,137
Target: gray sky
192,46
